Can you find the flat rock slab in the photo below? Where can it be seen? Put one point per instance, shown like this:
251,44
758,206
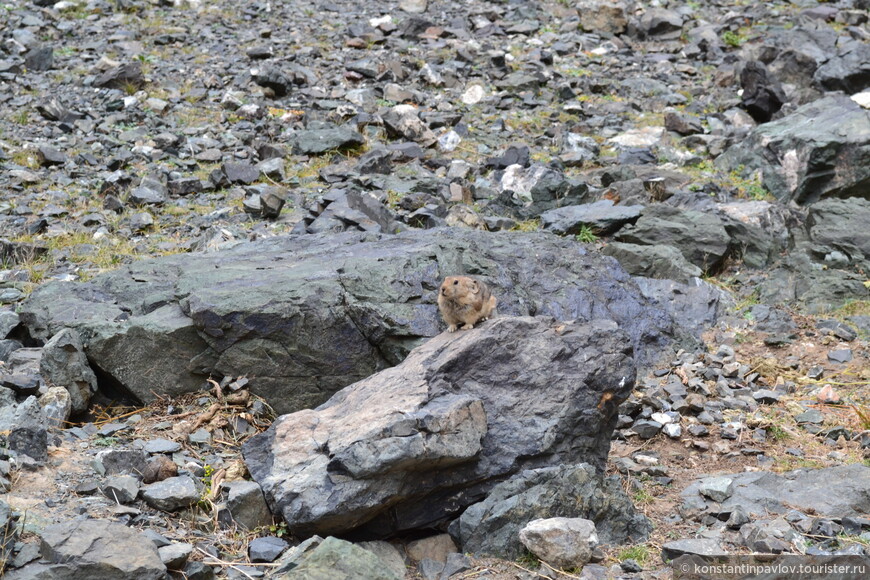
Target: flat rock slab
410,446
304,316
833,492
88,549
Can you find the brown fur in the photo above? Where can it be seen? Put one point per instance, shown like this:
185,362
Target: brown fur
464,300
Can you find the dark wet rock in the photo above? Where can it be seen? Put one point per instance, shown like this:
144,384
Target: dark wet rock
820,150
86,549
602,217
171,494
661,261
63,363
340,560
492,526
700,237
468,439
375,297
762,94
317,141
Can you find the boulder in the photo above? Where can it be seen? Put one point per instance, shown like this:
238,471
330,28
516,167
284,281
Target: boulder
820,150
561,542
573,491
339,560
840,225
94,550
409,447
700,237
665,262
759,230
303,327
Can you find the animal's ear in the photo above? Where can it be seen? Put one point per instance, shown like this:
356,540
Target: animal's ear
475,287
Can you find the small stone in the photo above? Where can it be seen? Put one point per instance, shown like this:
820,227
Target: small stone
840,355
162,446
121,488
766,396
813,416
175,556
171,494
717,489
266,549
672,430
646,429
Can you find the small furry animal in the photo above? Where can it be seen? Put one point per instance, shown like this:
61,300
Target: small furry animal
464,300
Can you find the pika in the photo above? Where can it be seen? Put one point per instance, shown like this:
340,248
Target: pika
466,301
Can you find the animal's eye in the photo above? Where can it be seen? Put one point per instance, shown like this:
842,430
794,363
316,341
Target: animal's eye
455,282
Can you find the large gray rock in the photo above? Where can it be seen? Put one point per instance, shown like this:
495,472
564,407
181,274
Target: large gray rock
664,262
700,237
820,150
94,550
759,230
336,559
64,364
601,216
840,225
412,445
562,542
833,492
572,491
304,316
